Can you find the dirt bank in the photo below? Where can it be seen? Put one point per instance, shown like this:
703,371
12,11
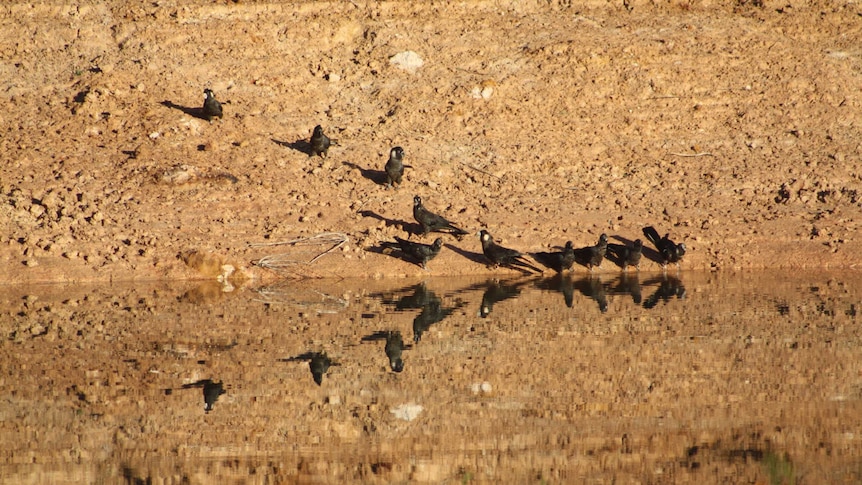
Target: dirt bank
733,127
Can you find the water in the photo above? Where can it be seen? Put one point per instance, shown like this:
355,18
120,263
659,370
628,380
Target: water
736,378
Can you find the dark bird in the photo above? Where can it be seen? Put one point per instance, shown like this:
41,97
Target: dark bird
495,292
212,391
212,108
592,256
558,261
319,365
319,142
394,167
627,255
318,362
669,251
431,221
422,253
394,347
502,256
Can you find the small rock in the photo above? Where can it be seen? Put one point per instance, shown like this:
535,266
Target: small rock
407,60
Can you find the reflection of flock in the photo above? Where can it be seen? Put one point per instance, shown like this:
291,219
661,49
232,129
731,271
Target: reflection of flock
433,309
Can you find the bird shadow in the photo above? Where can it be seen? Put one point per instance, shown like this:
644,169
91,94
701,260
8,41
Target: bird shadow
548,259
196,112
612,254
392,250
409,227
376,176
300,145
475,257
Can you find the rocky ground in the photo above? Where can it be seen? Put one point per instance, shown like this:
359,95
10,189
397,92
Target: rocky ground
732,126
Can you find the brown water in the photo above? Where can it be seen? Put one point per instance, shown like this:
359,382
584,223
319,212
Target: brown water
712,378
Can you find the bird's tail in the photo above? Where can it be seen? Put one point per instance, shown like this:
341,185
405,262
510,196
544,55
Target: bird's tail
652,235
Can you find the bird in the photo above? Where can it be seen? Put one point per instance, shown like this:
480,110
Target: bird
319,142
558,261
394,167
212,391
502,256
592,256
394,348
319,364
627,255
212,108
418,251
670,251
431,221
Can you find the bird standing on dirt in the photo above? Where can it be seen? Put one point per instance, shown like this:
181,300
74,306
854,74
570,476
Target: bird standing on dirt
627,255
418,251
319,142
558,261
212,108
592,256
433,222
395,167
502,256
670,251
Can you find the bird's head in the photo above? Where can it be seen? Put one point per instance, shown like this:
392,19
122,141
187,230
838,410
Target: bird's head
417,201
208,93
396,152
438,243
485,236
318,130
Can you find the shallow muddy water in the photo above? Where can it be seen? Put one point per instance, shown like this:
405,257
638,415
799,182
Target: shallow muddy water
704,377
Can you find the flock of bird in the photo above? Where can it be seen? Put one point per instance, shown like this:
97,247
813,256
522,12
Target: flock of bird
496,255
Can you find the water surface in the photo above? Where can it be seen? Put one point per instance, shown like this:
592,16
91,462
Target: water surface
737,378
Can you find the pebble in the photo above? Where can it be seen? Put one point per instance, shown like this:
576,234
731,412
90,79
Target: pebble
407,60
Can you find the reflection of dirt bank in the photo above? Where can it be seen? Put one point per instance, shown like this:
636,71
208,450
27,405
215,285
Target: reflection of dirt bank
745,377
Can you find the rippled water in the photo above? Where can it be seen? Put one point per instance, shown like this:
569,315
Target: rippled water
736,378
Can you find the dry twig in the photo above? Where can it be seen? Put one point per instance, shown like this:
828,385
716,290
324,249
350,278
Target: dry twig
283,260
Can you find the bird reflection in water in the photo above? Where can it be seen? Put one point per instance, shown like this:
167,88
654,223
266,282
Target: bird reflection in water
593,287
318,362
394,347
669,287
431,306
628,284
211,390
562,283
